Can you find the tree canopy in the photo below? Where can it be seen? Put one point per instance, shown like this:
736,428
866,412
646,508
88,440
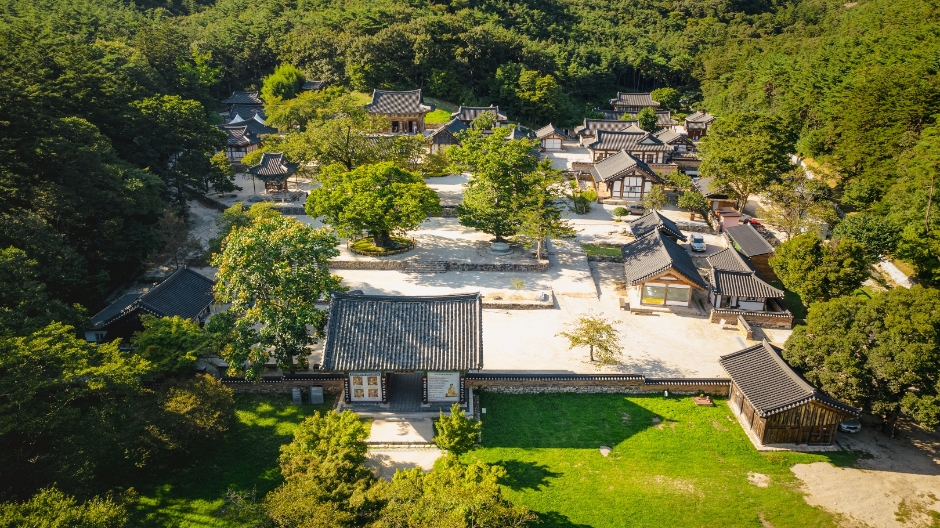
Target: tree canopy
819,270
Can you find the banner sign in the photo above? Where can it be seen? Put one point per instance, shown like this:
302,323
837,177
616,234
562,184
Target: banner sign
443,386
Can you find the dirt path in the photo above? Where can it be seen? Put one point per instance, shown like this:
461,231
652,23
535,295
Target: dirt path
899,486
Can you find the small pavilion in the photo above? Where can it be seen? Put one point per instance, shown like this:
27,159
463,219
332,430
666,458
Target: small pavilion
404,354
273,170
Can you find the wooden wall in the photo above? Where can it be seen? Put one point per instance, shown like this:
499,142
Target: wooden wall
813,423
763,267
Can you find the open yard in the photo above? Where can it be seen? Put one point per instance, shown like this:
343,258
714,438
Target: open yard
672,464
245,460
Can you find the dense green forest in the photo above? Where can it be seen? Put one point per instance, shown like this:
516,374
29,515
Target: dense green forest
107,112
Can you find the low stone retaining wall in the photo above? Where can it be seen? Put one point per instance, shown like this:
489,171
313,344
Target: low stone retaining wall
368,264
604,258
331,383
592,384
782,321
471,266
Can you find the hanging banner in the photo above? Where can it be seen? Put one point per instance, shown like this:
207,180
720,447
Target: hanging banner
443,386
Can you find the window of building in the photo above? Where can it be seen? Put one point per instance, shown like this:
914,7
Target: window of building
654,294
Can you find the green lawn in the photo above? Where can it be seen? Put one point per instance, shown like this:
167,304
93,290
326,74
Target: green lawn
438,116
601,251
690,470
246,459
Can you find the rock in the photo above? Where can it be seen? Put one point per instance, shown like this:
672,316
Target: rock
605,450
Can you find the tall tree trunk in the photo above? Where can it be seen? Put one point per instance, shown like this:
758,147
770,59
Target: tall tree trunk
592,353
382,239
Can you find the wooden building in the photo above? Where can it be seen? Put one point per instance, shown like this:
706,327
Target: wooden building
656,221
623,178
383,343
754,246
184,293
587,132
696,124
636,141
660,272
467,114
243,99
273,170
240,141
664,120
444,136
313,86
716,199
550,137
737,285
238,113
727,217
405,111
777,406
632,103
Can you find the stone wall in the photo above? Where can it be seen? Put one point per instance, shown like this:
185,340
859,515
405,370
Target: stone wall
589,384
368,264
604,258
470,266
331,385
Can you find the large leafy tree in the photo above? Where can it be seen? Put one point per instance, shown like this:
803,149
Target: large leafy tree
451,495
284,83
498,185
745,153
380,199
25,305
541,218
50,508
872,230
798,203
882,354
238,216
819,270
273,272
171,344
646,119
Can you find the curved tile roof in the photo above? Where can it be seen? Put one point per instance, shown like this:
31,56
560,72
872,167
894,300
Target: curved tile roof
633,139
243,98
653,254
614,166
633,99
749,240
654,220
378,332
390,102
273,166
469,113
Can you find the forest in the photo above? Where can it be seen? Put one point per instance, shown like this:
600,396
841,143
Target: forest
107,126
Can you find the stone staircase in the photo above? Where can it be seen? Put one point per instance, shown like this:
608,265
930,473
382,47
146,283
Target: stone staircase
425,266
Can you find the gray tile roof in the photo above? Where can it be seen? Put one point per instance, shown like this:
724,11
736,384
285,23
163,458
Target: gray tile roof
239,135
184,293
741,284
253,126
590,126
749,240
632,140
663,117
770,385
389,102
730,260
614,166
703,185
246,112
700,117
313,85
651,255
273,166
633,99
376,332
670,137
453,126
243,98
655,221
469,113
548,130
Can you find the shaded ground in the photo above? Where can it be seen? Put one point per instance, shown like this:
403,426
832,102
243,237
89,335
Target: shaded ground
385,462
897,484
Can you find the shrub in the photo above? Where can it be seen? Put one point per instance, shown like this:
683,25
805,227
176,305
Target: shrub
620,211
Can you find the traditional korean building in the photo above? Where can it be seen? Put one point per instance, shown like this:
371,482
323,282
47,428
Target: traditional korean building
623,178
632,103
754,246
238,113
445,136
738,289
636,141
273,170
313,86
588,130
550,137
184,293
664,118
775,405
468,113
405,111
660,272
697,124
656,221
240,142
419,347
243,99
716,199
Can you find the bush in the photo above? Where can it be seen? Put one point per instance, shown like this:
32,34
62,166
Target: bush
456,433
589,195
620,211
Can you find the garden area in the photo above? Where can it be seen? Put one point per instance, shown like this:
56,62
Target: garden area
672,463
246,460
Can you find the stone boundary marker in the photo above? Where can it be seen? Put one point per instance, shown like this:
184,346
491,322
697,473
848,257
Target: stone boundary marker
521,383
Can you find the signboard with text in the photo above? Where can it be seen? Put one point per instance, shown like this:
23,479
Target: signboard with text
443,386
365,386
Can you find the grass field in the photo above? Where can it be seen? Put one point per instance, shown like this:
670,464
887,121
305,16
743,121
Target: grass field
690,469
438,116
246,459
601,251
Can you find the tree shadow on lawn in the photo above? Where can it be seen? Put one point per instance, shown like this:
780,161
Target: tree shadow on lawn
585,421
557,520
525,475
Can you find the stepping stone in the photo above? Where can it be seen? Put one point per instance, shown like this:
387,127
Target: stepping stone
605,450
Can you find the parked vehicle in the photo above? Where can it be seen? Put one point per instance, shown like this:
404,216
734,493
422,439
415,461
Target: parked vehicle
698,242
851,426
636,209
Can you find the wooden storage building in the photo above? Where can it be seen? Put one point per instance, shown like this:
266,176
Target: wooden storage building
550,137
623,178
754,246
632,103
445,136
776,405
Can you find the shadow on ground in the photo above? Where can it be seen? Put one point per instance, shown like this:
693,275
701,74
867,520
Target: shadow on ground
525,475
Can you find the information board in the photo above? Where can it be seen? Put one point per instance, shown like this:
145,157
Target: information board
443,386
365,386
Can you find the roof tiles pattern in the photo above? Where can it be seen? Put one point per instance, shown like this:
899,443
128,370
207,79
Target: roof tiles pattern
633,99
469,113
653,254
375,332
654,220
243,98
273,166
749,240
614,166
634,140
389,102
